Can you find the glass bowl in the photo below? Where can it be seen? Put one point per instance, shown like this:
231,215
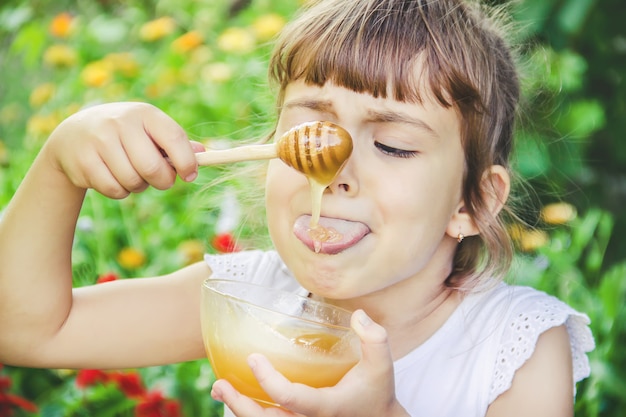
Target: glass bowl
308,341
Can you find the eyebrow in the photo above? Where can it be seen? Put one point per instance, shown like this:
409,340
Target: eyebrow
377,116
374,116
322,106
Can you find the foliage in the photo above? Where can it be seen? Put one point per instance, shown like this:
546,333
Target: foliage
204,63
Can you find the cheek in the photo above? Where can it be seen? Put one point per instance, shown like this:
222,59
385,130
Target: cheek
281,178
427,202
281,183
273,188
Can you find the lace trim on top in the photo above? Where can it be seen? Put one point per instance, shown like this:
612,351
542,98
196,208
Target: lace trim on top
256,267
227,267
520,337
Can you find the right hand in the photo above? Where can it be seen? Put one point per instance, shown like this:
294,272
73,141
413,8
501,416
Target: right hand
121,148
368,389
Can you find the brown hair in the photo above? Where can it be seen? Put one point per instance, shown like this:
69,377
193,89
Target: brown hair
372,46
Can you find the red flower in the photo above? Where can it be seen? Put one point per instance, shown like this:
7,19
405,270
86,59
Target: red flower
130,384
5,383
88,377
225,243
9,402
108,277
155,405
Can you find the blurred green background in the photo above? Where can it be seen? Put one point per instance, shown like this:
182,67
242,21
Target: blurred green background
204,63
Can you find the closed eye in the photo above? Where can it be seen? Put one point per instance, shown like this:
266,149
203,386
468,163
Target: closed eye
395,152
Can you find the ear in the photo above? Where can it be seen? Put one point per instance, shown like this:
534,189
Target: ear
495,186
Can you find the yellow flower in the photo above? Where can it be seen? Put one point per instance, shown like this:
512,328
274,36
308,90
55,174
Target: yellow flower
528,239
236,40
165,83
123,62
71,109
114,92
558,213
10,113
64,373
200,55
192,251
60,56
42,125
157,29
218,72
187,42
131,258
152,91
533,239
97,73
62,25
42,94
267,26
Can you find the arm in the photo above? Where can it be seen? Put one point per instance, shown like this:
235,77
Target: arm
543,385
115,149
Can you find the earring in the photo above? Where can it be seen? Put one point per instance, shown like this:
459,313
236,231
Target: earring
460,237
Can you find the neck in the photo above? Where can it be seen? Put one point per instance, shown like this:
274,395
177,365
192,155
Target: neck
410,311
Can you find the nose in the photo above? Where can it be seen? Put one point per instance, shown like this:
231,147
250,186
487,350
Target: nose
346,182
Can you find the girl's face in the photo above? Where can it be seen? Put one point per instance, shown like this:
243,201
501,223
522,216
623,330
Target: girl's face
393,202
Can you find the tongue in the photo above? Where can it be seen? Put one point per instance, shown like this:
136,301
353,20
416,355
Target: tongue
345,234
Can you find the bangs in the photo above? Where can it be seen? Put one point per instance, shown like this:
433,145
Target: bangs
374,50
360,50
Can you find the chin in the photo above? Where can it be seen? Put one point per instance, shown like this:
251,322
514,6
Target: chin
324,282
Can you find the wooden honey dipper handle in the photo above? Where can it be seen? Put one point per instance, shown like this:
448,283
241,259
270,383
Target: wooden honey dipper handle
239,154
317,149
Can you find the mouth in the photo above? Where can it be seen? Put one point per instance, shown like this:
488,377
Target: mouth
346,233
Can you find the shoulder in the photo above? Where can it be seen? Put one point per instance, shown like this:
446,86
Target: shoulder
522,315
546,378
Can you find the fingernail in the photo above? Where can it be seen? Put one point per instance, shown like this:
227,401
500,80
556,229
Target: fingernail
216,394
252,362
364,319
191,176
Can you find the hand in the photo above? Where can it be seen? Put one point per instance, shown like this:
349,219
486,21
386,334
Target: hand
366,390
120,148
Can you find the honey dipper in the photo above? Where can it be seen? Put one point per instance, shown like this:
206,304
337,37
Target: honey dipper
317,149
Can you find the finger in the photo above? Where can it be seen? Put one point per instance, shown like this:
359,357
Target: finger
375,351
147,159
120,166
241,405
96,174
291,396
172,139
197,146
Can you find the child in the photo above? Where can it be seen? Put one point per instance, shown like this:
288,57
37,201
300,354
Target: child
428,91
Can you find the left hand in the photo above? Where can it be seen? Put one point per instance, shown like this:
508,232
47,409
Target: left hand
366,390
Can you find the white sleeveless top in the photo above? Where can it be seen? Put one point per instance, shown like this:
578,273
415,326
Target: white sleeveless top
471,359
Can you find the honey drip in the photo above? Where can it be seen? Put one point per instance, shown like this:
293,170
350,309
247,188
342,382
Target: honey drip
319,150
318,233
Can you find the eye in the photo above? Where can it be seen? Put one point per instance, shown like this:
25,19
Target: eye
395,152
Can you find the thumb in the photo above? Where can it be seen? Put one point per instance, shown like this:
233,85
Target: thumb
374,342
197,146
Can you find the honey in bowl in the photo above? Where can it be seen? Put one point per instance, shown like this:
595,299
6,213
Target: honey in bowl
309,342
